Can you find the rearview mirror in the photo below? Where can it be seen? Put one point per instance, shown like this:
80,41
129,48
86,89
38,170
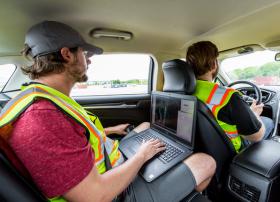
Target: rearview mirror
277,57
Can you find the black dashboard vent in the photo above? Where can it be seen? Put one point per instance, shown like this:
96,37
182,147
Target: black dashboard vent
266,96
249,193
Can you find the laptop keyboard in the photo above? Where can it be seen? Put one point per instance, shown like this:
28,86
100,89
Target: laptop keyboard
168,154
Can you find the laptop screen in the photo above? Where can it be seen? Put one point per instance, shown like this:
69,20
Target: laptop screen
175,114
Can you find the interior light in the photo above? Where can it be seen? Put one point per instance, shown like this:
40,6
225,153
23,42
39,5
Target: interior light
245,50
110,33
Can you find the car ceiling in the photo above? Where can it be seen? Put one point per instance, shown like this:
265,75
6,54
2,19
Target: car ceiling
158,26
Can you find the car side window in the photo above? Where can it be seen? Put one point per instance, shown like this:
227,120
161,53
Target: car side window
6,71
116,74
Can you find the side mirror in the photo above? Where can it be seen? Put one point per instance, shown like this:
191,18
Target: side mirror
277,57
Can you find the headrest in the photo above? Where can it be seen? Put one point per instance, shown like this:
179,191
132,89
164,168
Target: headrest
178,77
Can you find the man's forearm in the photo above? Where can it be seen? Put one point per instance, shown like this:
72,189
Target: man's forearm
108,130
258,135
97,187
117,179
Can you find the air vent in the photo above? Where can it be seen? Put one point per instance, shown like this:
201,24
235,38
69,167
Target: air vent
266,96
236,185
249,193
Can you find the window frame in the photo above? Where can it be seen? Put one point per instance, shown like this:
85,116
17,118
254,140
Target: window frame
13,72
150,79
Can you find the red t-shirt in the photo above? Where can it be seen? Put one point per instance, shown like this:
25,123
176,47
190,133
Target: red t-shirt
53,147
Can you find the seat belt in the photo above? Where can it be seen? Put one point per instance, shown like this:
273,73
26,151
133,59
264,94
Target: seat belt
108,164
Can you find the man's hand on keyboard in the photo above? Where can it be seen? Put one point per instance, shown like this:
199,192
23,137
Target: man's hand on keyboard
150,148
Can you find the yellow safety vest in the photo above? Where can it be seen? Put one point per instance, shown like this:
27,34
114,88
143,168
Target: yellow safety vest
216,97
90,122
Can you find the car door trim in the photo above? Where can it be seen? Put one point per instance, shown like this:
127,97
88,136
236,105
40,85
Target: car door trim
113,106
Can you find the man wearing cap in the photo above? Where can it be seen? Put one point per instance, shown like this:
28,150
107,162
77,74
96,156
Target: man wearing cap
67,155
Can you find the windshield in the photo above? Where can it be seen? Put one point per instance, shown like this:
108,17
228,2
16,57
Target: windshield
258,67
6,71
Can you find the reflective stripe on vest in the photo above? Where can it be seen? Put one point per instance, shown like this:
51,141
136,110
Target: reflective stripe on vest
25,99
216,97
97,137
116,157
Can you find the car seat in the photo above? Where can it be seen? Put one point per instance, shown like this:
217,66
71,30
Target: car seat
210,138
16,184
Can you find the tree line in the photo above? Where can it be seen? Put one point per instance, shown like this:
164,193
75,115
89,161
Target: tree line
268,69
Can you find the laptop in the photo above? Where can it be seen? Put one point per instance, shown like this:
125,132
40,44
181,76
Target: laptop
173,118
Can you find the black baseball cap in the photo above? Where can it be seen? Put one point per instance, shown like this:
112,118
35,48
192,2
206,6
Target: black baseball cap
50,36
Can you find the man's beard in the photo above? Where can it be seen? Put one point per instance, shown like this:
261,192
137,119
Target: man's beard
77,75
83,78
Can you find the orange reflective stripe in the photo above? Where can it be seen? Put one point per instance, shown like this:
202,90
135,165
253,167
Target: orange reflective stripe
233,132
222,100
114,147
6,130
91,130
116,159
212,93
87,125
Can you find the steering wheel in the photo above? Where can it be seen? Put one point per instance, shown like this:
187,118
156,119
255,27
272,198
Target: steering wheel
247,98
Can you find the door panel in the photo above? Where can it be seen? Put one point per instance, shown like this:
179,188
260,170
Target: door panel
117,109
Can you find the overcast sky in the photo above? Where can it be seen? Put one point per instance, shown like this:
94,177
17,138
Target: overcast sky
6,71
254,59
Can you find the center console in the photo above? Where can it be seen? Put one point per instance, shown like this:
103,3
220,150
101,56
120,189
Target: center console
254,173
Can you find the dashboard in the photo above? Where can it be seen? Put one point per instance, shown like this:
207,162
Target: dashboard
267,95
